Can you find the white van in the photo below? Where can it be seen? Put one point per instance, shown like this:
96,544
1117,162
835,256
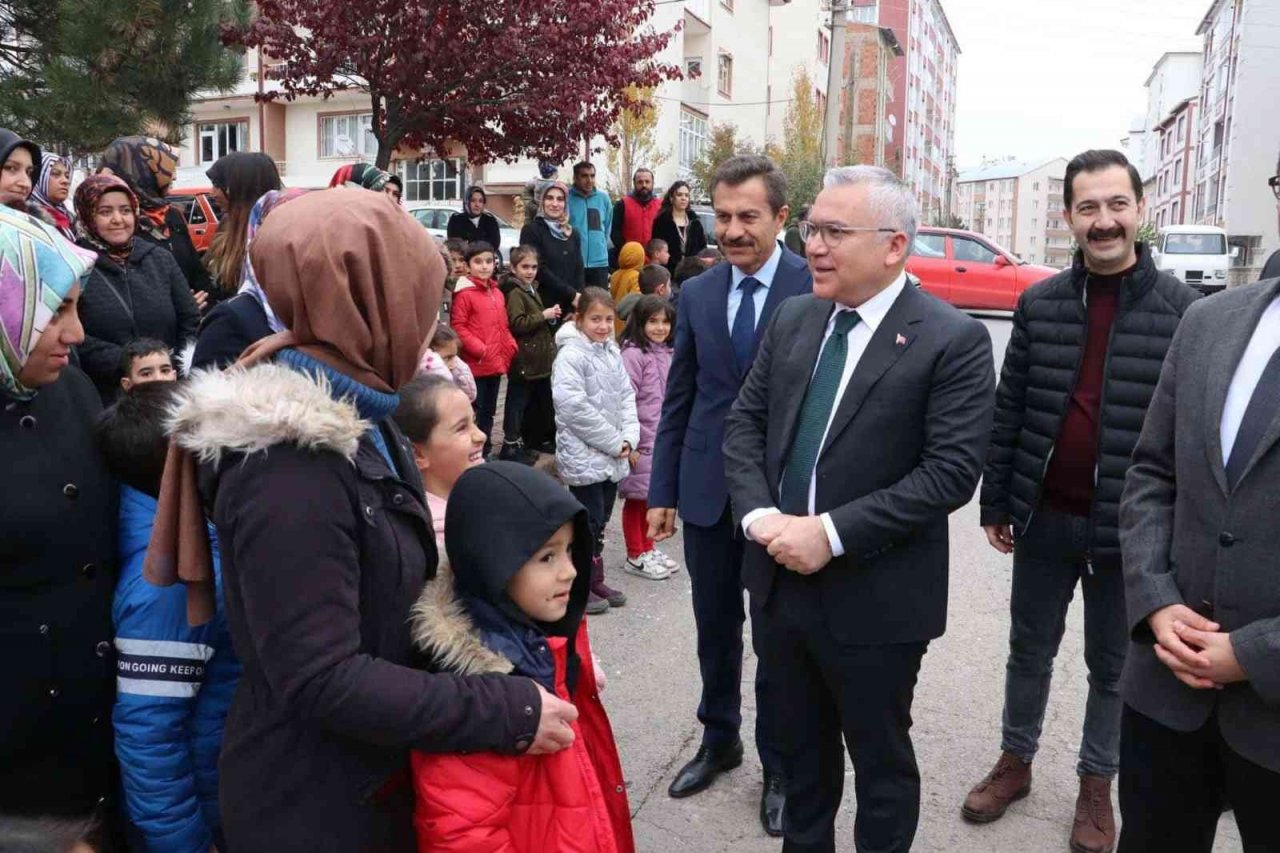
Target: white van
1197,254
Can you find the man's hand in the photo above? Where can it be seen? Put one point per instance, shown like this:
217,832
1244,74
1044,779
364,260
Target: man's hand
766,528
662,523
1000,536
554,732
1186,662
802,546
202,299
1223,667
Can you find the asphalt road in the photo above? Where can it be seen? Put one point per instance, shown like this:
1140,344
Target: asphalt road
648,651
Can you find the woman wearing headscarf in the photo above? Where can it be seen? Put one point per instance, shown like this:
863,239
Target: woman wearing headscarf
679,226
238,181
325,538
53,187
19,170
246,318
360,175
148,166
560,271
57,543
474,223
138,290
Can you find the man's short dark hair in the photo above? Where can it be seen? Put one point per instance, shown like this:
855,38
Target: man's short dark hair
141,348
455,245
736,171
579,167
657,244
131,435
478,248
1095,161
653,276
641,171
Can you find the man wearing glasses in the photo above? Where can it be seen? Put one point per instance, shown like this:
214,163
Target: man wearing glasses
1271,269
1081,367
862,424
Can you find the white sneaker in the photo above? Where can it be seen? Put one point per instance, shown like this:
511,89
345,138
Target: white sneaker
672,565
645,566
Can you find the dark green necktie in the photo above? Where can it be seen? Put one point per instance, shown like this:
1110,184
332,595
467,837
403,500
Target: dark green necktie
815,413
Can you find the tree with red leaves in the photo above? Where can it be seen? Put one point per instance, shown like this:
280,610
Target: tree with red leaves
506,78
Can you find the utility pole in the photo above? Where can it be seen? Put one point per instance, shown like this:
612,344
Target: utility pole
835,82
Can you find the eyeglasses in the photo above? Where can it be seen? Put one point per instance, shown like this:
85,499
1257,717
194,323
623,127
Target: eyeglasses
1274,183
832,235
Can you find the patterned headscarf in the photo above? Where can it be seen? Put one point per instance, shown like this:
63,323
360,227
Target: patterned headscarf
360,175
61,215
37,270
249,279
87,195
560,228
148,166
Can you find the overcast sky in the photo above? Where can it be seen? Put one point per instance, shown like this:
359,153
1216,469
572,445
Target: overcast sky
1045,78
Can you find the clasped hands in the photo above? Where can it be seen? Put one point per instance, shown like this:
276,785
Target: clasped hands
796,542
1194,649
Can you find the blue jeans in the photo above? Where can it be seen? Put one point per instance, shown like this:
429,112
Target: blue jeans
1048,560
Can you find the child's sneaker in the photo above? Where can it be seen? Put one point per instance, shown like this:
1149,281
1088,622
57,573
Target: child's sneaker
673,566
596,605
647,566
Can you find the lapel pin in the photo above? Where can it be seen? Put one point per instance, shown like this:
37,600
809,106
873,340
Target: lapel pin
901,341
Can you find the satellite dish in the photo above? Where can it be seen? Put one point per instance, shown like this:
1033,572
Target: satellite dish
345,146
893,121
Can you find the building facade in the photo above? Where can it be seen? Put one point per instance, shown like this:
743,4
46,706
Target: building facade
1238,129
1018,206
1173,169
1174,78
866,134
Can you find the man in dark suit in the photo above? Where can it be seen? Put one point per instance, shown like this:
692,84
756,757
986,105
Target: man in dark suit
723,313
1201,683
862,424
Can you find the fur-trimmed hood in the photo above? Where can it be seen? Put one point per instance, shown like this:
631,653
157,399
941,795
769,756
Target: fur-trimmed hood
442,628
248,410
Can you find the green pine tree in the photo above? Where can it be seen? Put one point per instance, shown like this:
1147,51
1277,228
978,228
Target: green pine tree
75,74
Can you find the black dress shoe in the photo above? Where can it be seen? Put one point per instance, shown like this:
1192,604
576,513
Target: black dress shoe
773,803
699,773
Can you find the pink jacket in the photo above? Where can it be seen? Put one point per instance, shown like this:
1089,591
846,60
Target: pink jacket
648,370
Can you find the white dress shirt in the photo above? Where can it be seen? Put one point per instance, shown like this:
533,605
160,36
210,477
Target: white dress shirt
764,275
1262,345
870,314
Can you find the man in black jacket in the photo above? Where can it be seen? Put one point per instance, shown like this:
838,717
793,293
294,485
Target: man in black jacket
1081,366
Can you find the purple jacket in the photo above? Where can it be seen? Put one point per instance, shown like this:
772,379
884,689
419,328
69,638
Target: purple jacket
648,370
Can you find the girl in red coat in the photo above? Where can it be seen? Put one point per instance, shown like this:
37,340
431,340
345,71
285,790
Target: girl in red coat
479,316
514,603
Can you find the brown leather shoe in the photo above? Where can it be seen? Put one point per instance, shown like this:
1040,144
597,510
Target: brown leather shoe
1008,781
1095,827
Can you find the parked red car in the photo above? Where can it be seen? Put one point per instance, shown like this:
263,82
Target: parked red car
201,213
970,271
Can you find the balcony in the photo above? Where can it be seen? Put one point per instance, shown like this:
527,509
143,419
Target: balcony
697,16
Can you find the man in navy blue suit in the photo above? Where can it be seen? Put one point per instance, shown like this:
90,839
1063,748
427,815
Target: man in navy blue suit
723,314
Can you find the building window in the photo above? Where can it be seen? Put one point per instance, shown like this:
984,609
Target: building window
1182,127
347,136
1036,186
771,40
824,47
219,140
693,139
432,180
724,74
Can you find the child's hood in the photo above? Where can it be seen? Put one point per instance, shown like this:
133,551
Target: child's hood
631,256
467,282
499,515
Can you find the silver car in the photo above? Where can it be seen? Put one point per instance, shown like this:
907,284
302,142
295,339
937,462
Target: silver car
435,218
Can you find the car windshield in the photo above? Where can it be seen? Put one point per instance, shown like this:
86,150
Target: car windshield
1195,244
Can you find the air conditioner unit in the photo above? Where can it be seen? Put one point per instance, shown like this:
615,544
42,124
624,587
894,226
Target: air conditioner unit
693,68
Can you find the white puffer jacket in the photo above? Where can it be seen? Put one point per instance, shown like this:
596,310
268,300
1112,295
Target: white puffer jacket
595,412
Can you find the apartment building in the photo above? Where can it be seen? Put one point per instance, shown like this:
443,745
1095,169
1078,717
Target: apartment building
1237,129
1174,78
1173,166
867,123
1019,206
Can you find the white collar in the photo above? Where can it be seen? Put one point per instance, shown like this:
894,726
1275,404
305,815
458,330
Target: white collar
764,275
872,312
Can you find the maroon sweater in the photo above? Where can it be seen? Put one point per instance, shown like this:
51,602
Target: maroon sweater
1069,480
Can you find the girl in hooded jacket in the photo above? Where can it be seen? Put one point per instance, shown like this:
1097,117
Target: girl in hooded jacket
596,426
513,605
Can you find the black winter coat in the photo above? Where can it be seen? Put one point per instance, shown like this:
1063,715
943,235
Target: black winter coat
58,519
1039,376
560,272
228,330
324,552
184,252
461,228
146,298
664,228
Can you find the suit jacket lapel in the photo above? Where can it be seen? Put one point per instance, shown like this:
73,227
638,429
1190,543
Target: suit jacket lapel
779,290
1272,434
803,359
893,337
1237,327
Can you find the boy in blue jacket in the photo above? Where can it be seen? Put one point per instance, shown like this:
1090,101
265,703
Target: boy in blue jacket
174,682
